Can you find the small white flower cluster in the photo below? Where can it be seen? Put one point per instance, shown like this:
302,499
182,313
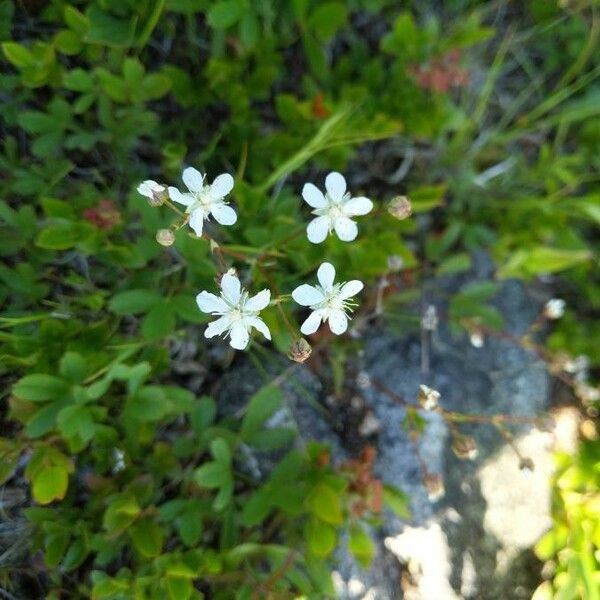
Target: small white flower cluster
238,312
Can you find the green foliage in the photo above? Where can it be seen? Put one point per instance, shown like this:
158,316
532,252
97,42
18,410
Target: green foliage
139,485
574,540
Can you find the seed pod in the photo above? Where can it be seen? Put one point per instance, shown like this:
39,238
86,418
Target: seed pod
400,207
434,485
299,350
165,237
526,464
464,446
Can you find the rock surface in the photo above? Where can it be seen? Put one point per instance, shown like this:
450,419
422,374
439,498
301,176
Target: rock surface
475,542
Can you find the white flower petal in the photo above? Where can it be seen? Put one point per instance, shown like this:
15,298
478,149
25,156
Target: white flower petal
338,321
209,303
221,186
197,221
313,196
358,206
223,214
177,196
217,327
326,276
335,184
146,188
318,229
307,295
239,336
231,287
351,289
260,325
193,179
346,229
258,302
312,323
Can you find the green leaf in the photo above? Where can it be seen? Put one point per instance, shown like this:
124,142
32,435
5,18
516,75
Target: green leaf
107,30
78,80
397,501
224,14
327,18
44,420
261,406
133,302
148,404
50,483
62,236
18,55
221,452
76,420
73,367
76,20
147,537
40,387
361,545
212,475
321,537
542,259
159,322
67,42
324,502
203,414
121,512
179,588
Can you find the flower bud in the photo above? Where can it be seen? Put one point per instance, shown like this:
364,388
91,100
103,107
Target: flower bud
165,237
158,198
477,338
400,207
554,308
299,350
428,397
464,446
434,485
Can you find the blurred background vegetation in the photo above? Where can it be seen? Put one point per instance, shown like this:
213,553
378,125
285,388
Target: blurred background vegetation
486,114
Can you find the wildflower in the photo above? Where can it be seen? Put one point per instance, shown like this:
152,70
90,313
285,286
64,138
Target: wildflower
328,301
428,397
165,237
370,425
155,192
299,351
334,209
554,308
400,208
363,380
464,446
237,312
204,200
434,485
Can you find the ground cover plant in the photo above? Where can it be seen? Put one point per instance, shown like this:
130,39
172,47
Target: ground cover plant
263,181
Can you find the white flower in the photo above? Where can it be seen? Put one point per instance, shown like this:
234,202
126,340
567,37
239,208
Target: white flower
328,302
152,190
204,200
555,308
333,209
237,312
